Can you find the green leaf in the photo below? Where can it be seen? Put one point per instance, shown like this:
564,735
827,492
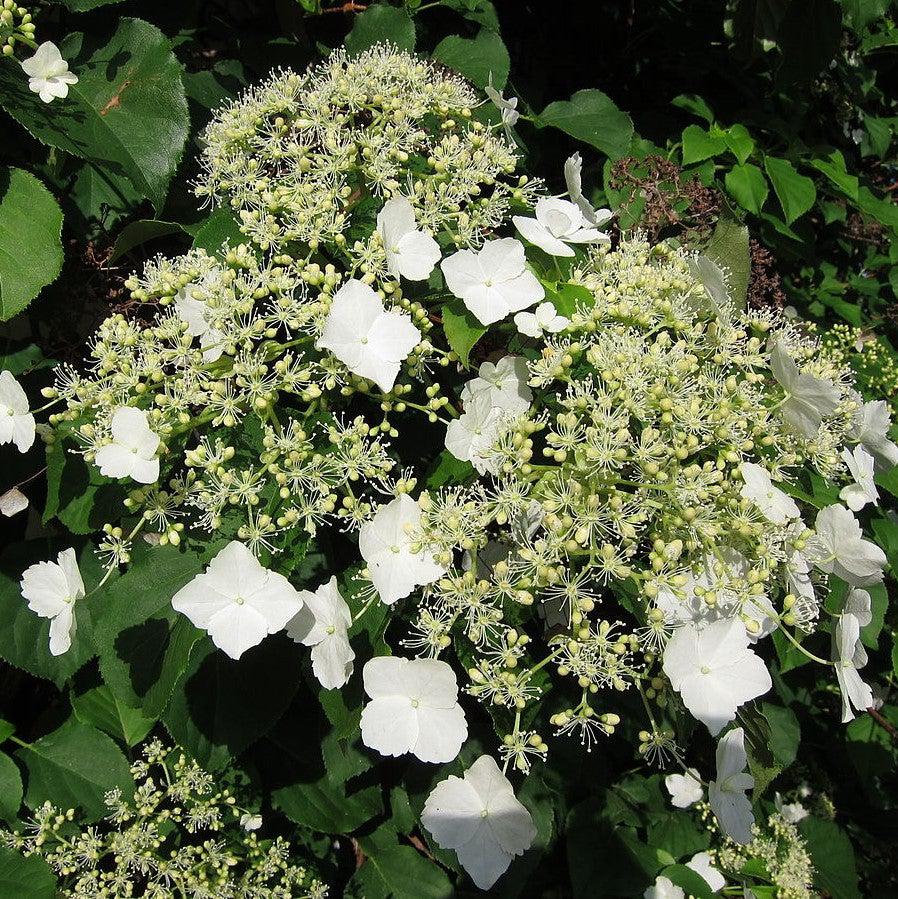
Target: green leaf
24,637
102,709
10,788
127,115
462,329
143,644
728,248
691,881
835,872
74,767
449,470
834,169
476,58
222,706
748,186
6,730
381,23
135,234
25,878
30,240
676,834
699,144
796,192
785,733
219,229
592,117
739,142
77,494
85,5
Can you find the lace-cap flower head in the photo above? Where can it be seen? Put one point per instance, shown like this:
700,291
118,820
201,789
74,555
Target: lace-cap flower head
557,224
369,340
479,816
410,253
16,422
777,507
132,452
237,601
52,589
726,794
842,550
322,623
414,708
809,399
685,789
714,671
396,566
494,281
48,73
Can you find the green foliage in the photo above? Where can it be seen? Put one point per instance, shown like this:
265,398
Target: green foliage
25,878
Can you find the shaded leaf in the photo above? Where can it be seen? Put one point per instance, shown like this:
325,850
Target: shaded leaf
592,117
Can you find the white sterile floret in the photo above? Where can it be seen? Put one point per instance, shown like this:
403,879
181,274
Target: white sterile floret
494,281
557,224
664,888
849,654
48,73
808,399
322,623
12,502
777,507
726,794
132,452
841,549
790,812
250,822
573,173
470,436
505,383
387,543
543,319
701,864
193,313
685,789
414,708
410,253
52,589
369,340
16,422
508,107
237,601
870,428
860,463
479,816
714,670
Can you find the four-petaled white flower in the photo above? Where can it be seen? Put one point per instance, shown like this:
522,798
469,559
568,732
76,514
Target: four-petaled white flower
367,338
132,452
52,589
777,507
714,670
193,313
701,864
396,566
573,173
871,429
841,549
808,399
470,436
410,253
322,623
557,224
479,816
726,794
16,422
493,282
543,318
237,601
663,888
863,490
849,654
250,822
48,73
508,108
505,383
685,789
414,708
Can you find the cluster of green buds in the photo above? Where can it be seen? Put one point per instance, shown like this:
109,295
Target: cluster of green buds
16,26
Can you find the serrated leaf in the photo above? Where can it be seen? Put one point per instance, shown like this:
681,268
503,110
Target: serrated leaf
10,788
102,709
381,23
126,115
748,186
795,192
476,58
835,871
74,767
219,229
699,143
739,142
728,248
785,733
462,329
30,240
77,494
592,117
25,878
135,234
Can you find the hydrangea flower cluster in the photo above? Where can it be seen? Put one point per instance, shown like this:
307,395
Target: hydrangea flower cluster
629,505
180,834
